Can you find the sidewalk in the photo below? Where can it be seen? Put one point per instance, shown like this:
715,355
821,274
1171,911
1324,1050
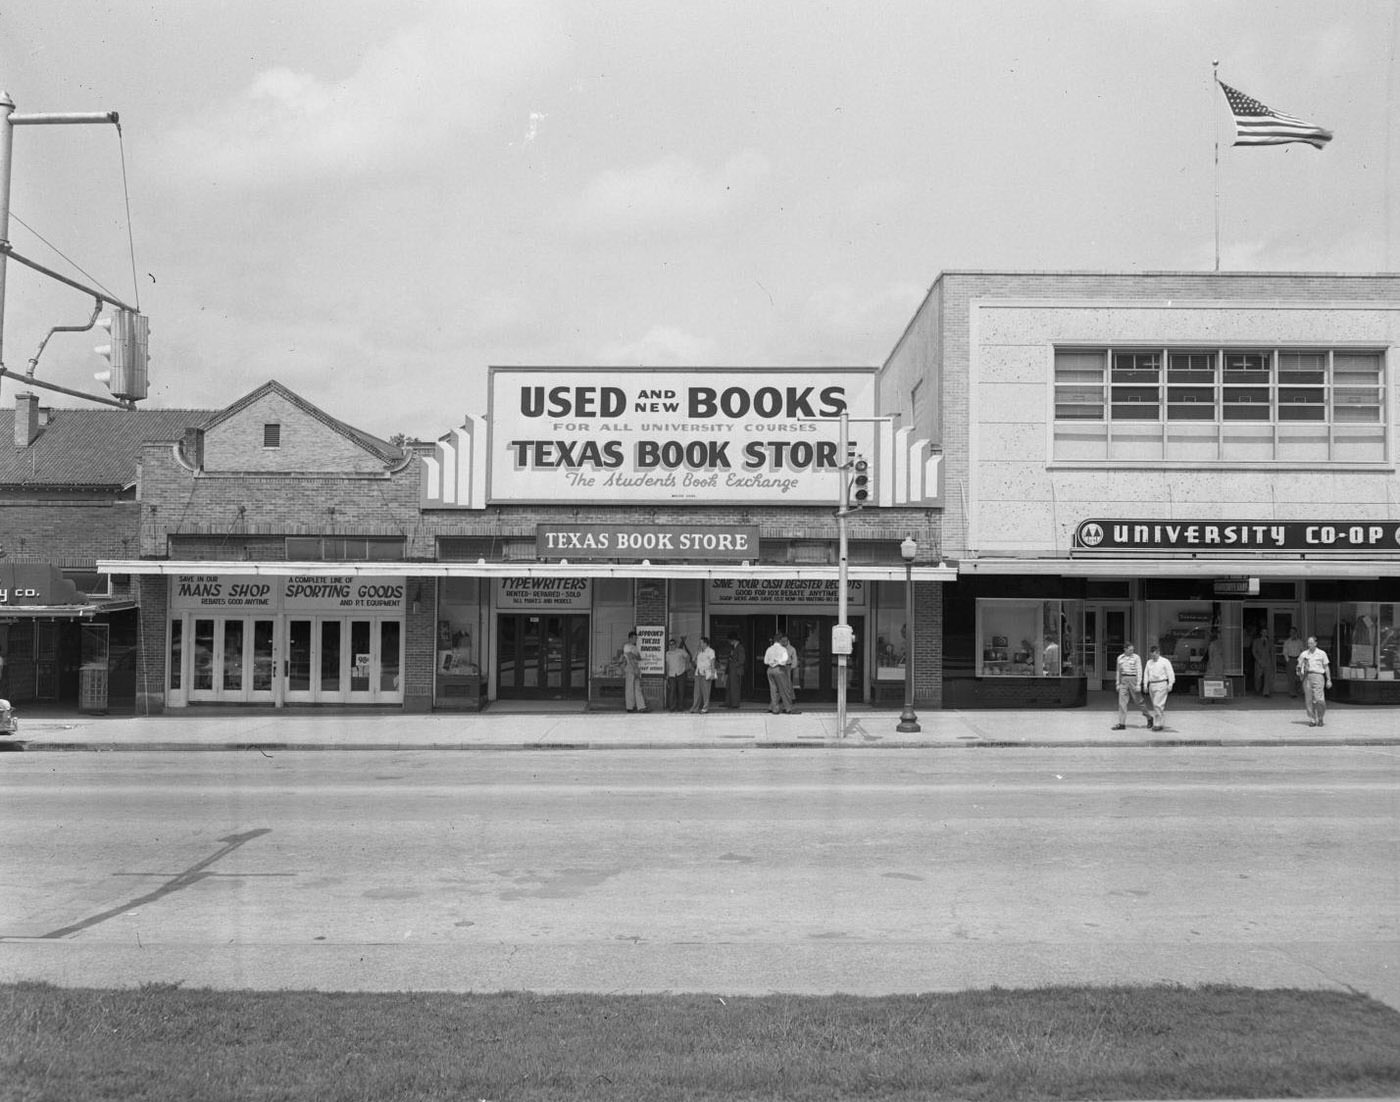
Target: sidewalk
1277,721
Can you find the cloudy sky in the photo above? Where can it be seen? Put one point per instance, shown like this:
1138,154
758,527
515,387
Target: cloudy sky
373,200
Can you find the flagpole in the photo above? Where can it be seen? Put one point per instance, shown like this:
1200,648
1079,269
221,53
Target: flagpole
1215,76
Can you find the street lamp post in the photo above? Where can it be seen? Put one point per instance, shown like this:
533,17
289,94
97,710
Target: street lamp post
908,721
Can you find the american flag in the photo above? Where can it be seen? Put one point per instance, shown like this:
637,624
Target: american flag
1257,124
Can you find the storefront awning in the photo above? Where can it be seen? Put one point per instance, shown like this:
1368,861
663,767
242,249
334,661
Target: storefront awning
1298,566
62,612
481,569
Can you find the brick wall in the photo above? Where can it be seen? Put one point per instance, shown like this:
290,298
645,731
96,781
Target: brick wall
928,644
66,532
152,593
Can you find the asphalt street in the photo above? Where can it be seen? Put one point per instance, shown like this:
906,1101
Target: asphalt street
753,870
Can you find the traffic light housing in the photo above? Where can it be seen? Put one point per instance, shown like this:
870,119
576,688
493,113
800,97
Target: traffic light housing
126,355
860,480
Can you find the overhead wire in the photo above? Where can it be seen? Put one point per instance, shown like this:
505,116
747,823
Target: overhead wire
60,252
130,240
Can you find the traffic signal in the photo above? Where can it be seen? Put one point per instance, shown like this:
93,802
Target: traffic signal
860,480
126,356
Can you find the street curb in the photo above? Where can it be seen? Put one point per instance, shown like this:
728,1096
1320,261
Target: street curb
856,743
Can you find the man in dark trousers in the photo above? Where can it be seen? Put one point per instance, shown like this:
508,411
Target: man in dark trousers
734,665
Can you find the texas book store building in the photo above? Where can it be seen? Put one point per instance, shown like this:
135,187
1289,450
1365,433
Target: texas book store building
677,504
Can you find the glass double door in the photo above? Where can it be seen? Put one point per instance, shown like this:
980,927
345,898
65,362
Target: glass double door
1278,620
1106,628
231,659
343,660
299,660
542,657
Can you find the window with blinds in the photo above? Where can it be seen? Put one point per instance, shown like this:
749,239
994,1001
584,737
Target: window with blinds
1224,405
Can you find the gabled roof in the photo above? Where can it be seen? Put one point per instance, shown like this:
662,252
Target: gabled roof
88,447
381,448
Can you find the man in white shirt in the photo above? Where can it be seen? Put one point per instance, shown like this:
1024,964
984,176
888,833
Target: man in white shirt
1129,678
1315,671
1159,678
779,688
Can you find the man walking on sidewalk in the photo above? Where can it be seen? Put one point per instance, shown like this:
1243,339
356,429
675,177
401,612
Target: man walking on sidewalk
1315,671
779,688
1160,678
1129,685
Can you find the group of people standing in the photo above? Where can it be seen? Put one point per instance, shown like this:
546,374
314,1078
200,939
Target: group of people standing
699,671
1146,685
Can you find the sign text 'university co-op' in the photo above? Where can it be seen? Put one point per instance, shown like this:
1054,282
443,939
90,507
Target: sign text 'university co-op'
735,436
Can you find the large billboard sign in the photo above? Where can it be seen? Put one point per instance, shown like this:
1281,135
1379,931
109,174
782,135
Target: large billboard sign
699,435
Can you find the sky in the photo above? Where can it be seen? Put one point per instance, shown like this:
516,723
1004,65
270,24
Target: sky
372,201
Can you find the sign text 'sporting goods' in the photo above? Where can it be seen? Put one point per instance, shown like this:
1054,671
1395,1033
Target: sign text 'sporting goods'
784,591
592,435
544,593
646,541
1263,536
292,593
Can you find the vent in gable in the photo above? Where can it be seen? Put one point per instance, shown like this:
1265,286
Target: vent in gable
272,435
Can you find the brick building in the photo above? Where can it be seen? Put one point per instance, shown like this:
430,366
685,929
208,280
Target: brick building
1180,458
69,489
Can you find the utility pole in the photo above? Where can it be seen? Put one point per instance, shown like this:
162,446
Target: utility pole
8,121
843,508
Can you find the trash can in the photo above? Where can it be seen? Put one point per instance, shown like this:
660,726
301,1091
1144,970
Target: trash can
92,689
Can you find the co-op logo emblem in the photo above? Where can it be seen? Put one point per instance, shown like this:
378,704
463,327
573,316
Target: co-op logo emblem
1091,534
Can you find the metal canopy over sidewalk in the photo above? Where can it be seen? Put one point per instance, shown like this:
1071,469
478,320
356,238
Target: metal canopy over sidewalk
562,569
1161,566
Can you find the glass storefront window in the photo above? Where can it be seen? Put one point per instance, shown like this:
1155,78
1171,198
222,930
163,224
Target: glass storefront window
460,628
613,618
684,621
1367,641
891,644
1028,638
1199,638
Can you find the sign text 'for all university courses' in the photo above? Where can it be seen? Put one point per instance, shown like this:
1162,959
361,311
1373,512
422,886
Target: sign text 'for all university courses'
675,434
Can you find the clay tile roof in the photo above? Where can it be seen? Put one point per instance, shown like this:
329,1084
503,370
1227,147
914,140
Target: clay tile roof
89,447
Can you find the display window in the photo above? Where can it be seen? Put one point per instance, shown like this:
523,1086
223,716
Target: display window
1200,638
614,616
1029,638
461,625
891,638
1367,644
684,615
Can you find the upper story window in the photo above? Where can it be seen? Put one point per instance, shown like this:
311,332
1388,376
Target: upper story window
1223,405
345,548
272,435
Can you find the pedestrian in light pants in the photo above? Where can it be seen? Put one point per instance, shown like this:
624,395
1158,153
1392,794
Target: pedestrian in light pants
1129,684
1316,671
1159,677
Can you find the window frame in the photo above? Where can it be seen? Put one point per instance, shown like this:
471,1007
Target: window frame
1226,406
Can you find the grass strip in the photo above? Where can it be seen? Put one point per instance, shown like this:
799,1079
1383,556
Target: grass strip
163,1042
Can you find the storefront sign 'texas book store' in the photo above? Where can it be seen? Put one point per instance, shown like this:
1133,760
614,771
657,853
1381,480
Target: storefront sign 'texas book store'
677,435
